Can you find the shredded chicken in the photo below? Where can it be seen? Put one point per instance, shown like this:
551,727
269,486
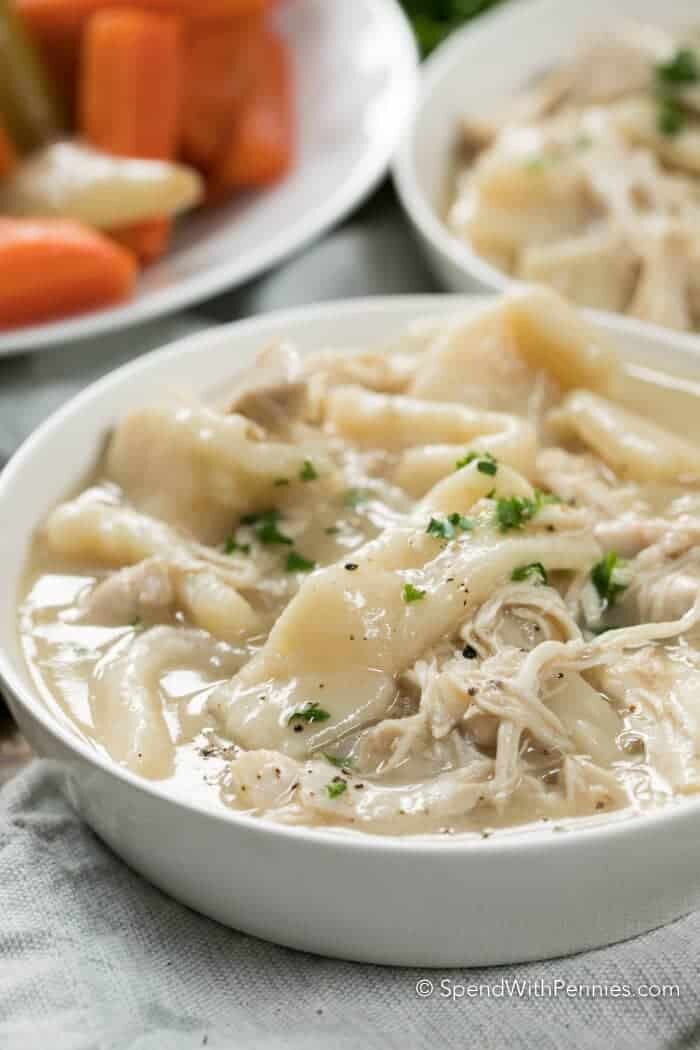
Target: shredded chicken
589,181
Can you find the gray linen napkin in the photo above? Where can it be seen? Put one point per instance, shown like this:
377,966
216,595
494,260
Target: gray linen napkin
93,958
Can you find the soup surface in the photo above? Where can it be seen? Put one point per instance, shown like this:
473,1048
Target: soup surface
446,585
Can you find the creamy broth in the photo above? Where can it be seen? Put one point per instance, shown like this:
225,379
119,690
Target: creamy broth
450,585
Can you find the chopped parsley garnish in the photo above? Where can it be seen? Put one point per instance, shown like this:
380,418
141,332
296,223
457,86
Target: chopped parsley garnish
136,622
265,527
232,546
670,118
412,594
309,712
458,521
336,787
513,512
338,761
298,563
447,528
608,577
355,497
486,463
308,471
535,572
442,529
332,530
682,68
281,481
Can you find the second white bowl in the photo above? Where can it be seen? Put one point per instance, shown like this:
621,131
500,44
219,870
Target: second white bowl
475,72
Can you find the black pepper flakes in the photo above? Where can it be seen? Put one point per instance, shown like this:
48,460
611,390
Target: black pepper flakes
351,566
469,652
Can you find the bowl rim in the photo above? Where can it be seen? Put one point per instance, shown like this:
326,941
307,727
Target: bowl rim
418,208
509,841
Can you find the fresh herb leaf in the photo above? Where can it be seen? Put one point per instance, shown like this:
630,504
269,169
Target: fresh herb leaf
609,577
309,712
356,497
336,787
670,118
298,563
682,68
308,471
486,463
332,530
338,761
412,594
281,481
433,20
535,572
513,512
458,521
232,546
446,529
265,526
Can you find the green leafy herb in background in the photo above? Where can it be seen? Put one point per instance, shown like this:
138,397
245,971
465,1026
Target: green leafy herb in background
433,20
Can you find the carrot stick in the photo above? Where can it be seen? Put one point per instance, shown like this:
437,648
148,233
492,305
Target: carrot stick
130,100
147,240
49,17
261,143
131,83
8,156
219,67
78,270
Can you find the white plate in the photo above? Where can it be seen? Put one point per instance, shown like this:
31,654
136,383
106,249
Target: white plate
356,78
522,894
477,70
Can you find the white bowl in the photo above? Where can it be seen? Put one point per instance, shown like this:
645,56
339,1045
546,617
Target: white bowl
476,71
356,72
519,895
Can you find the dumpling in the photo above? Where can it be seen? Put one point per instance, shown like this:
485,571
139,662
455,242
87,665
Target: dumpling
198,469
634,447
596,269
353,626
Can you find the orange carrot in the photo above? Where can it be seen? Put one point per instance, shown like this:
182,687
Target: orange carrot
219,67
148,240
47,18
8,157
131,83
261,143
50,268
130,94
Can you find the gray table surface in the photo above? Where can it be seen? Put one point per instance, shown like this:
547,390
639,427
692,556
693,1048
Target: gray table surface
372,253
